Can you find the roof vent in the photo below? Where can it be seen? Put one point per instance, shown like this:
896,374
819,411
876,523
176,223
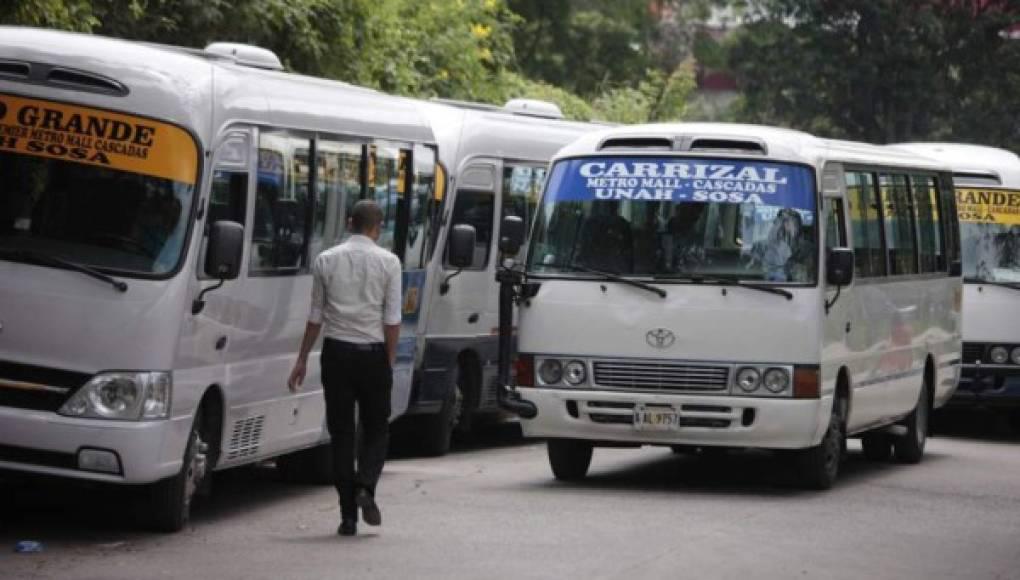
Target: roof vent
978,177
84,81
246,55
534,108
13,68
650,143
728,146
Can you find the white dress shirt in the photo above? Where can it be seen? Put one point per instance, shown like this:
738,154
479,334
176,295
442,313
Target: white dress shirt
355,291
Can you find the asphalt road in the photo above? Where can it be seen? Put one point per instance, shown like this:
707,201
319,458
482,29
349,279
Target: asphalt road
493,511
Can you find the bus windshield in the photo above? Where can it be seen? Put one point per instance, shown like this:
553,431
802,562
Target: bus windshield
92,187
991,252
674,218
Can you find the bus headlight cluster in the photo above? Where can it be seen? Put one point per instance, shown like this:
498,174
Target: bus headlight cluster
774,380
122,396
999,355
553,372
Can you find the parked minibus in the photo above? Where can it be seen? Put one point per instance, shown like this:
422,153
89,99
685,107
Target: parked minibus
496,159
159,209
734,286
988,199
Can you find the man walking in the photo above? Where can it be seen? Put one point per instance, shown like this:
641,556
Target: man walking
356,297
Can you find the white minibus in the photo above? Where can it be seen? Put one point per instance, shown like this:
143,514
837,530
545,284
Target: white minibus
159,208
496,159
735,286
988,199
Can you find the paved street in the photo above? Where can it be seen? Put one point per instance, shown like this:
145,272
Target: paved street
494,511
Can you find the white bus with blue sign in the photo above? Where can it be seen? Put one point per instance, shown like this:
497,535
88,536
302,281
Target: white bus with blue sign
988,198
732,286
159,209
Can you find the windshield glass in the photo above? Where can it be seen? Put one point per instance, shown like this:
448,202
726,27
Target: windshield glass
678,218
94,188
990,234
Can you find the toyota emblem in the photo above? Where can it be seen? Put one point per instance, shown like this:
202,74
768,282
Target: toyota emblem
660,338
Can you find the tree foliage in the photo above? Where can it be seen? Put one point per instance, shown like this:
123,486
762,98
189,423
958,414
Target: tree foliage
882,70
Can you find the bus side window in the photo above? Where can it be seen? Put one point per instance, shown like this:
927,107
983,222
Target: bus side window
950,219
338,186
476,208
422,204
835,228
900,237
384,188
866,224
228,201
522,185
929,226
282,206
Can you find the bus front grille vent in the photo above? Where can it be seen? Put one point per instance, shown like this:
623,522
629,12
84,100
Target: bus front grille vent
245,437
973,352
640,375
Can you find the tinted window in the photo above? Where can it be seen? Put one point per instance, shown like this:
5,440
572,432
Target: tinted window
422,208
929,223
899,224
227,202
385,188
282,206
338,187
866,224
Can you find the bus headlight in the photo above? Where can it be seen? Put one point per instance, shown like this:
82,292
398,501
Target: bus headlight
575,373
1014,355
550,371
999,355
122,396
748,378
776,380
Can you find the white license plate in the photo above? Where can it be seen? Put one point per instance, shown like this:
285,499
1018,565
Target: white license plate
646,419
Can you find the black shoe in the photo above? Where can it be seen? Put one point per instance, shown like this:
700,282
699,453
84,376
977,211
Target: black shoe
369,510
347,528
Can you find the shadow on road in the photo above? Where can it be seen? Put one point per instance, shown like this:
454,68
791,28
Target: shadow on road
976,424
744,473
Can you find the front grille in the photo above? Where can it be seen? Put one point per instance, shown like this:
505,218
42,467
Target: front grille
41,457
973,352
661,376
37,388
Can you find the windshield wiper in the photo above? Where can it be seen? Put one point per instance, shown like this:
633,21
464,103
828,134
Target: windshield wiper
731,282
1012,285
610,277
30,256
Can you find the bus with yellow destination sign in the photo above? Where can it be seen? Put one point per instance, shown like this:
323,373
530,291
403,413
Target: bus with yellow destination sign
988,197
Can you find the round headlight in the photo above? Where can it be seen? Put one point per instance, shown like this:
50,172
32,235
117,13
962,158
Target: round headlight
999,355
115,396
550,371
1014,355
574,372
776,380
747,379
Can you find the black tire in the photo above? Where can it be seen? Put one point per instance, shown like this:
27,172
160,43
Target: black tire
910,447
877,446
312,466
1014,420
818,466
168,502
468,393
436,431
569,458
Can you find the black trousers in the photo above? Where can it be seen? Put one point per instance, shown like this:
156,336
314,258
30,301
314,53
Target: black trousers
356,374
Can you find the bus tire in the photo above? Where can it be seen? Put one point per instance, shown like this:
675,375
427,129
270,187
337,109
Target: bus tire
910,447
569,458
437,429
468,392
169,500
819,465
876,446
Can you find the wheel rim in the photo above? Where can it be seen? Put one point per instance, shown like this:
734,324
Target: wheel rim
196,467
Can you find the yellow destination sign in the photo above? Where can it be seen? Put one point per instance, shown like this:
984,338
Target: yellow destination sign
988,206
95,137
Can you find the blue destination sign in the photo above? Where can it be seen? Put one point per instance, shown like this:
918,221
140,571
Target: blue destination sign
682,180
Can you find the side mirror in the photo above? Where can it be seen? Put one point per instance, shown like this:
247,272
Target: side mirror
461,247
839,267
956,268
224,250
511,235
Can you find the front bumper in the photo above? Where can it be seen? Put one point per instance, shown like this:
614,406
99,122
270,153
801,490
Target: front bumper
47,443
726,421
988,385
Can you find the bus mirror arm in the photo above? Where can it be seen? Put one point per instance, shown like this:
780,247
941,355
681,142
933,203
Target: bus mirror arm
444,287
510,280
839,272
199,303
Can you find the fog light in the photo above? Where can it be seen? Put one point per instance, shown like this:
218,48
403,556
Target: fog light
999,355
100,460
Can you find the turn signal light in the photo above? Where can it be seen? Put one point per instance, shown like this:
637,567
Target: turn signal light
524,366
806,383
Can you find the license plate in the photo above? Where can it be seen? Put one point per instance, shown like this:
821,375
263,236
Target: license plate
656,419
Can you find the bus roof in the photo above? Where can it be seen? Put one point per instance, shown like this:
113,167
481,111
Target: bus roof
466,130
196,89
973,164
748,141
